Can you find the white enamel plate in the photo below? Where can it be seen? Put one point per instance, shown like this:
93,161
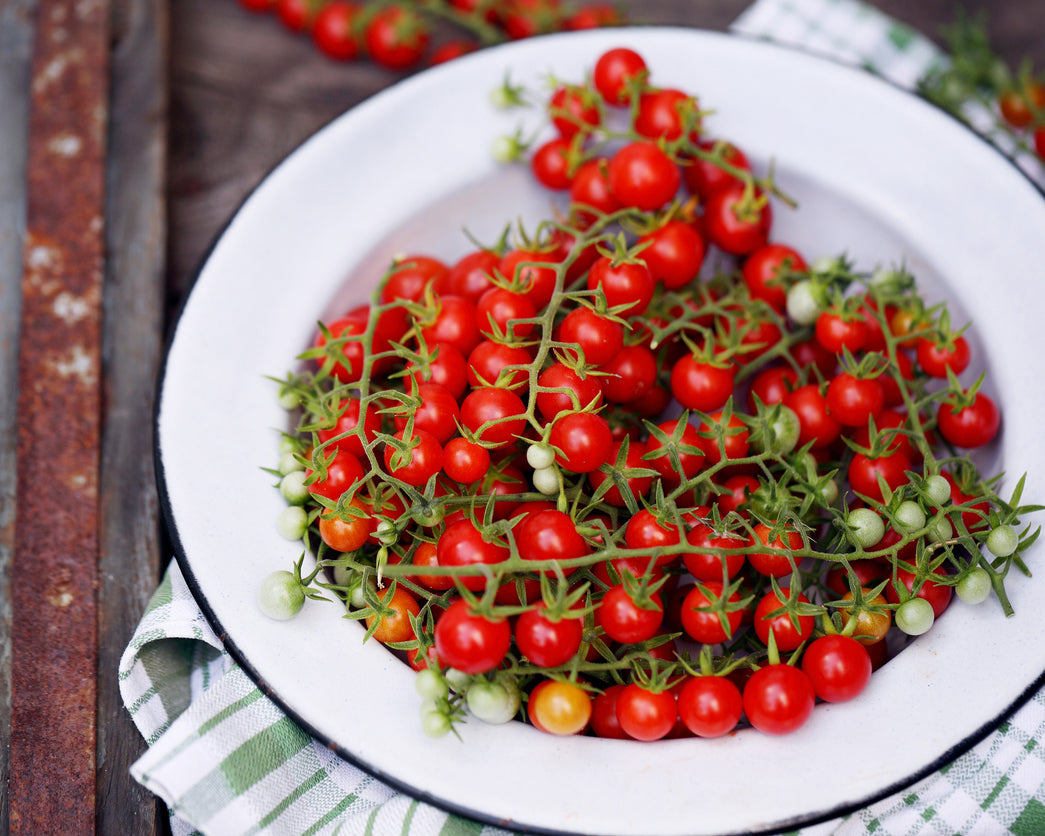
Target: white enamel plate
879,175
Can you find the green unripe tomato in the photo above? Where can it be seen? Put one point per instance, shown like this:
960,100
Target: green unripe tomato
292,522
915,616
909,517
974,587
280,595
867,527
1002,541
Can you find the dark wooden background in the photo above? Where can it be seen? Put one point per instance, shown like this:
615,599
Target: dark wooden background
204,98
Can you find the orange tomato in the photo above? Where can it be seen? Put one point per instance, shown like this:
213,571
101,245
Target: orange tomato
393,623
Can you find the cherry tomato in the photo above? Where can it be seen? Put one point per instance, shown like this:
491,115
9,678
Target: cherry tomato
740,488
393,621
463,544
500,311
498,365
771,385
579,392
674,253
789,631
604,722
1019,105
534,273
593,16
496,416
347,535
471,275
710,706
708,625
454,323
772,554
936,357
420,462
972,425
854,400
447,367
410,277
583,439
396,37
645,714
600,338
590,191
450,50
873,619
559,707
629,376
778,699
639,485
734,441
545,642
710,566
574,109
426,555
341,474
662,448
616,71
864,472
465,461
551,164
644,532
624,620
546,534
642,175
736,223
470,642
628,285
702,385
343,434
665,113
838,666
816,423
765,270
836,332
526,18
298,15
333,30
437,413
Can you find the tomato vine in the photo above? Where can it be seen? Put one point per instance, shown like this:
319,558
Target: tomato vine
576,467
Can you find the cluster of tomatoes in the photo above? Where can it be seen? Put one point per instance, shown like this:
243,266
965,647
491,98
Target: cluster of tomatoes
400,35
643,471
1022,106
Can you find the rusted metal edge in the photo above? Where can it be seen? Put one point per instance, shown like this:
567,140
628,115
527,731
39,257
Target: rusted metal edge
16,52
54,573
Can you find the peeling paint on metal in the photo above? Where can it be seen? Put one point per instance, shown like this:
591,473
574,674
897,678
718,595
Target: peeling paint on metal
55,618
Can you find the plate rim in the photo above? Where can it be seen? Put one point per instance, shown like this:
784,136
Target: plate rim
239,657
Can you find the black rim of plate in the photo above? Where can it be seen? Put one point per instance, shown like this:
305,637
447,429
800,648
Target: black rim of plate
418,793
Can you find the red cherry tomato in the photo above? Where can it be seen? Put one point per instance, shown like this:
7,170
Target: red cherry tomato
778,699
710,706
839,667
645,714
615,72
470,642
642,175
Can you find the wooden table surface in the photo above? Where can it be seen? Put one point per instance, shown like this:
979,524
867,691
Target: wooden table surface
130,130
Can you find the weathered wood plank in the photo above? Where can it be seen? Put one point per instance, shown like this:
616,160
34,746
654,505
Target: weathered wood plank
129,528
53,581
16,31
